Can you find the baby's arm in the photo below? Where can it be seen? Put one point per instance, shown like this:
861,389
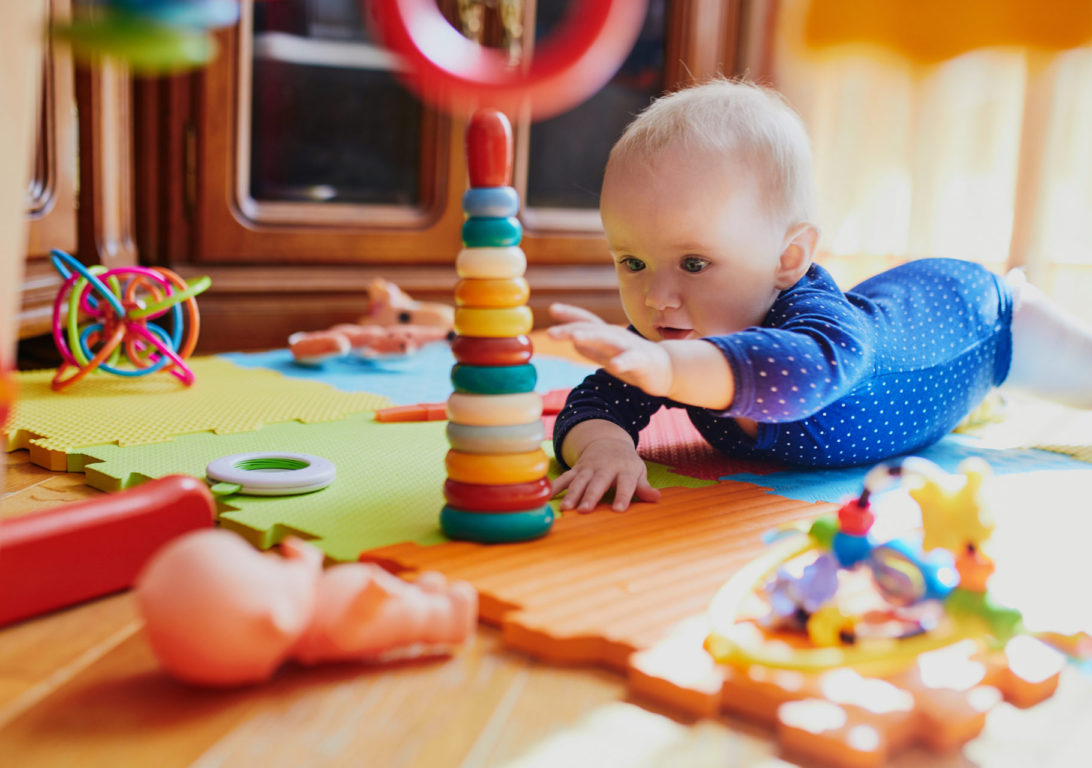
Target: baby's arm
601,453
602,456
692,372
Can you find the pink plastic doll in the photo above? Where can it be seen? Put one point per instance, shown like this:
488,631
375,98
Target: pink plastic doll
219,613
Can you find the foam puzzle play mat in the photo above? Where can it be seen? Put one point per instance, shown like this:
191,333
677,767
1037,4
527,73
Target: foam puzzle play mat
824,606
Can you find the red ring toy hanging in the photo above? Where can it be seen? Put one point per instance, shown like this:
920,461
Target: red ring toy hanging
458,75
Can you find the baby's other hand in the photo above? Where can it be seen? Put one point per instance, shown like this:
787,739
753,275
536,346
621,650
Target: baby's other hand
621,353
605,464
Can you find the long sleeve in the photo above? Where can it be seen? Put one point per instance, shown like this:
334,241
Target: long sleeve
602,396
814,348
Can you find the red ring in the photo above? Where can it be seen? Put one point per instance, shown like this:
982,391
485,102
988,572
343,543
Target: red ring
500,350
459,75
513,497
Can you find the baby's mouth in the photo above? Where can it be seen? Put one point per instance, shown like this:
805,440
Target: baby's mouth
668,333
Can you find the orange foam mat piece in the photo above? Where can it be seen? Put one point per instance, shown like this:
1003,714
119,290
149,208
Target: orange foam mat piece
603,585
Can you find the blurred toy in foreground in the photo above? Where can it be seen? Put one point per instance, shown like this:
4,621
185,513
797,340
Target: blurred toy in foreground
101,315
393,325
150,36
78,551
855,647
7,394
458,75
219,613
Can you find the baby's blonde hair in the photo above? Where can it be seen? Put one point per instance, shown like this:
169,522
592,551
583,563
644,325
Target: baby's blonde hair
742,120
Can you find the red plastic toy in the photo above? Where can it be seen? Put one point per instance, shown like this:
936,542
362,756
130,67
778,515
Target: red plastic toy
458,75
79,551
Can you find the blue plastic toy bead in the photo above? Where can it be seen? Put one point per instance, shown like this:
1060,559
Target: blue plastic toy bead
850,549
494,379
496,527
906,576
491,202
491,233
184,13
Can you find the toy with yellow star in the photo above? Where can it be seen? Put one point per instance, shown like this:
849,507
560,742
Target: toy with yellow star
954,517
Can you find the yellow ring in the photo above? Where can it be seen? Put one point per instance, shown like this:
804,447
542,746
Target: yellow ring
493,323
494,410
496,468
512,292
491,263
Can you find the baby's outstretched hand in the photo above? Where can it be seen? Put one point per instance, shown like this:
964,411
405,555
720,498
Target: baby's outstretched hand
621,353
604,464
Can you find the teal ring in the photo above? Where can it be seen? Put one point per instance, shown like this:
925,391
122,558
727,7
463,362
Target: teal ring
494,202
483,232
494,379
507,438
498,527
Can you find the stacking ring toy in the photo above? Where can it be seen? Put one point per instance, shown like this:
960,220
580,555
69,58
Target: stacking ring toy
271,474
458,75
101,315
499,528
496,468
491,263
512,292
484,499
491,232
513,438
471,350
494,410
491,201
494,322
494,379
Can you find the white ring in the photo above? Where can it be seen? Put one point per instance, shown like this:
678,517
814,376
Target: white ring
317,474
487,263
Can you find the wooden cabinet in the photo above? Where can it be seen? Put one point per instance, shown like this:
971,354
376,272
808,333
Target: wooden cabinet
296,168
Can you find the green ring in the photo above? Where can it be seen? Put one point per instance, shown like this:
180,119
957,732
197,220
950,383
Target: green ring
494,379
488,232
496,527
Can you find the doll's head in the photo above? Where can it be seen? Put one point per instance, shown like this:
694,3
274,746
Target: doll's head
706,203
218,612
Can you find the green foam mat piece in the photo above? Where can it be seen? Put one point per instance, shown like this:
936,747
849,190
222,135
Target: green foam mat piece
389,486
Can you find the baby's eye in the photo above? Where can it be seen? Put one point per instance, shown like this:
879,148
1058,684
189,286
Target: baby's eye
632,264
694,263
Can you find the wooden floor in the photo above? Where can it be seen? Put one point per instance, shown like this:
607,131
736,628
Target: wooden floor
81,687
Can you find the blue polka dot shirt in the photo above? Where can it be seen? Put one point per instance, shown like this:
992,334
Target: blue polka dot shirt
836,379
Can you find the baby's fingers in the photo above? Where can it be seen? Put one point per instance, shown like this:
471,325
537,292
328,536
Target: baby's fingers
567,313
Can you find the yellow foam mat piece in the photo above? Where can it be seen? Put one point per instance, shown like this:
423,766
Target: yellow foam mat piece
225,399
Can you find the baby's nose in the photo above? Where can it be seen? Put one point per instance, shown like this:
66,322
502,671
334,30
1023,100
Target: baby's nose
662,296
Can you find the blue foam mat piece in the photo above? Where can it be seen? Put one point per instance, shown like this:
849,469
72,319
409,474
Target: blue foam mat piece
835,485
422,377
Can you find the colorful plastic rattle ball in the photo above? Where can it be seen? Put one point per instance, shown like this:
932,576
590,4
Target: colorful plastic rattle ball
459,76
103,321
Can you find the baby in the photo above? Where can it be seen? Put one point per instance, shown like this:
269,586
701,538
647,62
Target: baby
707,204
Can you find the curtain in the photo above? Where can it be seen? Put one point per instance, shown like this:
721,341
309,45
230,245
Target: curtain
986,156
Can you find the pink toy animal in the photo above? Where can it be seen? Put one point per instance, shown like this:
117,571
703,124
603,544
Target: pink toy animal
219,613
394,324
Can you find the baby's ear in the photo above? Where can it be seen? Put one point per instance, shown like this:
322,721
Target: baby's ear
796,255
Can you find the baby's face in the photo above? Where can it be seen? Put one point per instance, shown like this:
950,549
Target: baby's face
696,253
